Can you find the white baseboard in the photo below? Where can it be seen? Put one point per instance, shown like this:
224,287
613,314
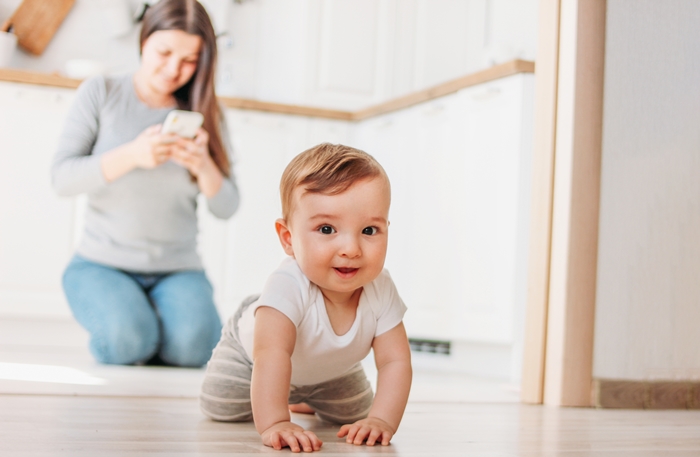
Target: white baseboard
23,303
484,360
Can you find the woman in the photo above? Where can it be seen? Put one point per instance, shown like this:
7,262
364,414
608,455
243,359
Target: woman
136,283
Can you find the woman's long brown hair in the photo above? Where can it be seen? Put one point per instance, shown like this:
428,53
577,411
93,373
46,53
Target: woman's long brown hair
198,94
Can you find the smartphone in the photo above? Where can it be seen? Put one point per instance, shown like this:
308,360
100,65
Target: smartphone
182,123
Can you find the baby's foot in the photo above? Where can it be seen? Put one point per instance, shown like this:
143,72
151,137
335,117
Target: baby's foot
302,408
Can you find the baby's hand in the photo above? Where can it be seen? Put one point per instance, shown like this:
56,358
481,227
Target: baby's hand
284,434
371,429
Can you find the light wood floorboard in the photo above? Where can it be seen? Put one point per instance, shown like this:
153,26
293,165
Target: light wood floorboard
74,407
39,426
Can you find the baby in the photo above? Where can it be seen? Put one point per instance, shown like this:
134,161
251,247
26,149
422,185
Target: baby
298,345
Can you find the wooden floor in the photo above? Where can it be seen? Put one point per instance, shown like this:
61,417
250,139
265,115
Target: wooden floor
55,401
35,425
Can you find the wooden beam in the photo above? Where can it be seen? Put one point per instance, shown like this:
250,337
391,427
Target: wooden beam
532,385
496,72
499,71
575,210
257,105
41,79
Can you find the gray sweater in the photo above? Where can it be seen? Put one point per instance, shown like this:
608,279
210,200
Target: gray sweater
146,220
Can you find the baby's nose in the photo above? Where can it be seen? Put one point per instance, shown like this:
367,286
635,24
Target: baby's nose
350,247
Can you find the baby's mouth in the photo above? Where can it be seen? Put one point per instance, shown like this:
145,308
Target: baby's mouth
345,270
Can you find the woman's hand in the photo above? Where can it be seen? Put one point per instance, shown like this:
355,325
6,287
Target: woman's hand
373,430
288,434
193,154
148,150
151,148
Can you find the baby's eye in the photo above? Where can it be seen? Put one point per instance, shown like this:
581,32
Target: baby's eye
369,230
326,230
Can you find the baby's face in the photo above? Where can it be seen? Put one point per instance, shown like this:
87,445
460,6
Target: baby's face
340,241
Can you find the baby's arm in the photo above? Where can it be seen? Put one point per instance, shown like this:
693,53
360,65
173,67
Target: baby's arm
392,354
273,345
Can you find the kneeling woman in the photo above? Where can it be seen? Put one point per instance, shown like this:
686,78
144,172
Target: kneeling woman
136,283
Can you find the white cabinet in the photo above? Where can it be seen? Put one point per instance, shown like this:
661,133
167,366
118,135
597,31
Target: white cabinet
460,172
349,54
36,227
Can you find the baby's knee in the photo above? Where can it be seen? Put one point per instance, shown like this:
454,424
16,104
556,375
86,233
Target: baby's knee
344,410
225,410
225,396
343,414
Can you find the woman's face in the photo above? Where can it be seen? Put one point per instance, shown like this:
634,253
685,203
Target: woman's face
169,59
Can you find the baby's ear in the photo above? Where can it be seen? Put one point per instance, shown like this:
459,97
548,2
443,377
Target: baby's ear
285,236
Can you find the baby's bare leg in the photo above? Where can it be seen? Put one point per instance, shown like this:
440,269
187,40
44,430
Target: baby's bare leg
301,408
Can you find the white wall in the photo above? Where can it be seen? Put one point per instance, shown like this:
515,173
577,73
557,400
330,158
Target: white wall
648,294
86,33
336,53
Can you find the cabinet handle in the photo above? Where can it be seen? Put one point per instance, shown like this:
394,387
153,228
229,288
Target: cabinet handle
486,94
384,124
434,109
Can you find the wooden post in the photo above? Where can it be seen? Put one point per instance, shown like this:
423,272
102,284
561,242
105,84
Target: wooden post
546,69
575,210
557,365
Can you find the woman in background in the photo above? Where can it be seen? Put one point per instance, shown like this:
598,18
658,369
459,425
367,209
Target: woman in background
136,282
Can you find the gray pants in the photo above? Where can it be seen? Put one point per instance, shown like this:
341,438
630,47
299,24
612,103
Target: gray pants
226,389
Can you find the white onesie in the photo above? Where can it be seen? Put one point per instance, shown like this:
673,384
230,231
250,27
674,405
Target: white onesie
319,354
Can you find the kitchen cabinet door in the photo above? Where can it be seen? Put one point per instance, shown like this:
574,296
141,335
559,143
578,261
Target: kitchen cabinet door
495,124
460,175
36,227
240,253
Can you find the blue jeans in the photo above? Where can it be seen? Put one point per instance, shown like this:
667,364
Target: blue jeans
134,317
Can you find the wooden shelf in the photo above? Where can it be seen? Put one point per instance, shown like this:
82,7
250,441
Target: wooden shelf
490,74
310,111
40,79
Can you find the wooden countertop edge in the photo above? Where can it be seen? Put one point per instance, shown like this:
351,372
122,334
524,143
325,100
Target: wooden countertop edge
271,107
42,79
496,72
510,68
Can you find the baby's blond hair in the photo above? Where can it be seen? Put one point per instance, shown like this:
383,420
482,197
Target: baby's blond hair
327,169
